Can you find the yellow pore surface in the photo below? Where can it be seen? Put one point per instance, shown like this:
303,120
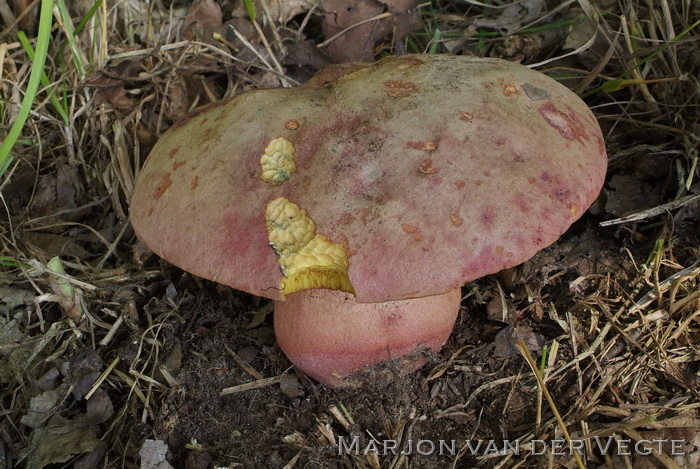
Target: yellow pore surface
308,260
277,164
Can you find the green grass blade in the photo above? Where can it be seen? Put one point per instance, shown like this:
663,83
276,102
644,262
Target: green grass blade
42,46
88,16
619,82
250,8
65,21
60,108
435,42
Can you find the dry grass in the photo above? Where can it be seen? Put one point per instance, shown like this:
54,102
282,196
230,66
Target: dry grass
623,362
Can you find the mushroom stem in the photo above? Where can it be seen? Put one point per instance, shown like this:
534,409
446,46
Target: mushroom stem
331,337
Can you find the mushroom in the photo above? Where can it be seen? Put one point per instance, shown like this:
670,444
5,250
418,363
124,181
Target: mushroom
364,199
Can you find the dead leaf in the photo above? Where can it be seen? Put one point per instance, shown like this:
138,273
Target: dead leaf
42,406
93,458
625,194
281,11
19,183
110,84
507,338
304,59
688,213
55,198
98,409
514,16
11,298
496,310
680,446
289,385
26,11
580,34
167,372
260,315
357,44
59,441
179,98
52,245
203,17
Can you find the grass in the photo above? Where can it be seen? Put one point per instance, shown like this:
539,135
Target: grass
87,89
37,74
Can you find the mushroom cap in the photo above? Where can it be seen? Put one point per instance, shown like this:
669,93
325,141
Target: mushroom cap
430,171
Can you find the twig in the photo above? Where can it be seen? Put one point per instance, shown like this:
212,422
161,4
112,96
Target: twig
374,18
652,212
260,383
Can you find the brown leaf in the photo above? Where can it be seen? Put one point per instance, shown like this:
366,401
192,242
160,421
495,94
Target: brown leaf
289,385
304,59
110,84
55,198
52,245
627,194
59,441
507,338
92,458
514,16
203,17
281,11
357,44
98,409
179,99
688,213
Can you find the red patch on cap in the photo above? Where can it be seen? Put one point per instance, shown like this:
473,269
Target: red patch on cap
569,125
509,90
412,230
465,116
412,60
367,215
426,167
163,186
400,89
427,145
345,218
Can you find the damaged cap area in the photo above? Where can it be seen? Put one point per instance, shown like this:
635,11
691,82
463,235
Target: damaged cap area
277,163
307,260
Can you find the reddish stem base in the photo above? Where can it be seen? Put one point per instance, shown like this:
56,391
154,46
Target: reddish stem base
332,338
